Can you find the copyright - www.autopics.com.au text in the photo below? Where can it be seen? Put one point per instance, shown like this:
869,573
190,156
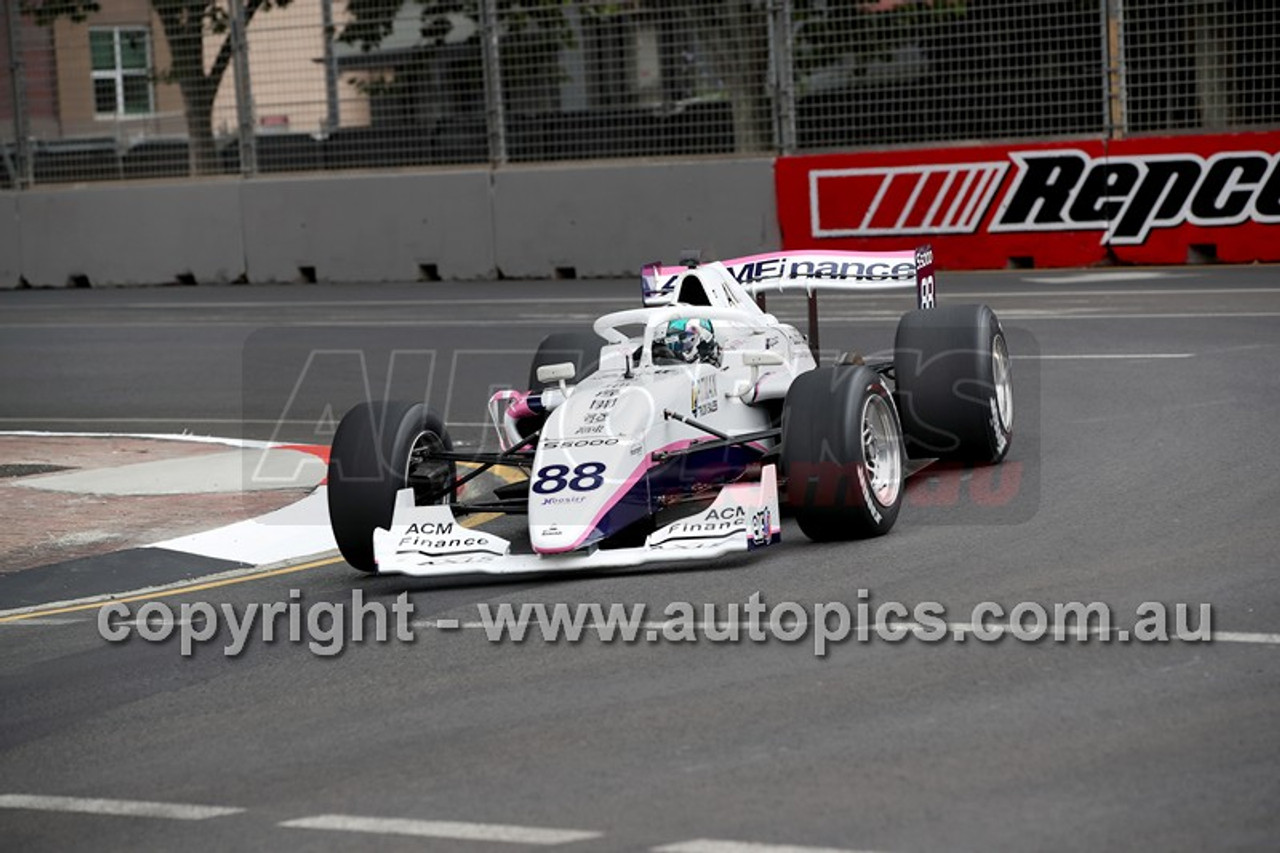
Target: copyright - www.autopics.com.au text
327,628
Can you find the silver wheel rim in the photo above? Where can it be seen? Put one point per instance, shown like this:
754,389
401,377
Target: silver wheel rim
422,467
881,450
1004,382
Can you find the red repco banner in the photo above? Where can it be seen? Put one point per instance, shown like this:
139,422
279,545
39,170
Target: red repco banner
1054,204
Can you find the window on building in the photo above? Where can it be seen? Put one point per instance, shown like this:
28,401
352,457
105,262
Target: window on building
121,71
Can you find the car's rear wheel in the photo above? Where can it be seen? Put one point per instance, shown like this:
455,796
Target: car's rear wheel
842,453
379,449
954,384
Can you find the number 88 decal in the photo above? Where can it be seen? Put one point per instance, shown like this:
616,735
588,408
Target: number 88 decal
553,478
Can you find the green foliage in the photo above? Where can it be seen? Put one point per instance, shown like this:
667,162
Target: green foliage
831,32
45,12
186,24
371,21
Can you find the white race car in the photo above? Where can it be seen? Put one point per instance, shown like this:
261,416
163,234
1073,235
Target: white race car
677,429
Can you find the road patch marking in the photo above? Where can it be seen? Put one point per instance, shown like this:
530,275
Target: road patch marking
122,808
454,830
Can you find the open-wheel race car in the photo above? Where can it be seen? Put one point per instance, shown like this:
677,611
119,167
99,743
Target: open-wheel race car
680,430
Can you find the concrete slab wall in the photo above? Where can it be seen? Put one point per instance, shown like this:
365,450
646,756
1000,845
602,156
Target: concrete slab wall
369,228
10,241
136,234
522,222
607,220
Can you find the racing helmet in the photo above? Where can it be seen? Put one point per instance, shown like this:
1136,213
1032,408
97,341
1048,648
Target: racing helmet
688,341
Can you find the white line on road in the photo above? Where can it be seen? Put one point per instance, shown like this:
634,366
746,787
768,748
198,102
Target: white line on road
1241,637
194,419
124,808
442,829
712,845
38,623
1193,315
1028,315
1088,277
365,303
1110,291
953,629
1089,356
629,300
863,317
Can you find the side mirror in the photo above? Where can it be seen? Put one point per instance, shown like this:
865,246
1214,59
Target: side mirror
761,358
560,372
756,359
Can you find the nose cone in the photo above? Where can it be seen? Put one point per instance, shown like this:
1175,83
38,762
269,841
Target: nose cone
576,499
588,475
561,538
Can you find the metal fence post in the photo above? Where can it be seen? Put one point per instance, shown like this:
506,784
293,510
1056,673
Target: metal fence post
244,92
1116,119
495,119
330,67
784,79
23,173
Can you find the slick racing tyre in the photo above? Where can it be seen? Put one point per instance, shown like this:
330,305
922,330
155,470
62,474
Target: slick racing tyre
954,385
842,453
581,348
380,448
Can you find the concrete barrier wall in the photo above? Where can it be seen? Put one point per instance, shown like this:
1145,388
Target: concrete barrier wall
10,241
369,228
520,222
608,220
134,234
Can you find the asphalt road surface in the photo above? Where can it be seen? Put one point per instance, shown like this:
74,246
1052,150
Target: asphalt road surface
1144,447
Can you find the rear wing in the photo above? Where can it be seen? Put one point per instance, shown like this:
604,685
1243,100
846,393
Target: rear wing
809,272
847,271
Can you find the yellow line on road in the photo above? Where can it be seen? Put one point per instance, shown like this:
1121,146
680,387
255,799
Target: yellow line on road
178,590
503,472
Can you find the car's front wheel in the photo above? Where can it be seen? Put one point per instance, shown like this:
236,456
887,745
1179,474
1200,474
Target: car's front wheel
842,453
379,449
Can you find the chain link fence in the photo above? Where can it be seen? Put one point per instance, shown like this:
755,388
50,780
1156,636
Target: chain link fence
145,89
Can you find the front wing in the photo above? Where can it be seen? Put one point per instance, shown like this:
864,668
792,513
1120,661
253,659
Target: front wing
428,541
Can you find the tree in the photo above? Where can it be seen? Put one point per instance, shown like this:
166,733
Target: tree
532,30
186,24
736,36
370,21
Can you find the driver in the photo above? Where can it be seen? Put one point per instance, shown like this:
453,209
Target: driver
688,341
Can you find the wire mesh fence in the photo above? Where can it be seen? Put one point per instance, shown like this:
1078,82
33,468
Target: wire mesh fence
123,89
1194,64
